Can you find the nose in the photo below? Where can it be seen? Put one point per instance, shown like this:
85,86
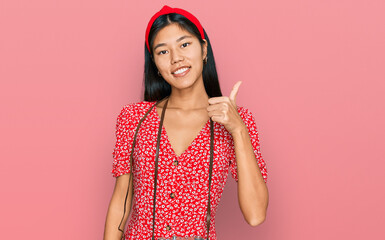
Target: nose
176,56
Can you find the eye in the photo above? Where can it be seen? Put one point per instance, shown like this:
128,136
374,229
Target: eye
162,52
185,44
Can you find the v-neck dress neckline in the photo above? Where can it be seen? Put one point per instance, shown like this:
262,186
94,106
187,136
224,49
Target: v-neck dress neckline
167,140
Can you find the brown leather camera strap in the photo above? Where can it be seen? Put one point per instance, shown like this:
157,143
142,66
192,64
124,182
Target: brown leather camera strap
131,173
156,166
208,216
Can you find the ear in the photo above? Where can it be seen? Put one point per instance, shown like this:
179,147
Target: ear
204,50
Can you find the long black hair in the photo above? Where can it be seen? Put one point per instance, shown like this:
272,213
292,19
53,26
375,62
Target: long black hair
155,87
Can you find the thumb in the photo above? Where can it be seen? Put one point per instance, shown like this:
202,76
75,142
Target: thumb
234,91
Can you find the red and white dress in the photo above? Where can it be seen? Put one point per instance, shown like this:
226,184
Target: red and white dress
181,197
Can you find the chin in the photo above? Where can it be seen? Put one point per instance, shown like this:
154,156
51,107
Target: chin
184,84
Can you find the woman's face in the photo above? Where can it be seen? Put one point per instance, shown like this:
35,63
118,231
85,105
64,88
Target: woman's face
178,55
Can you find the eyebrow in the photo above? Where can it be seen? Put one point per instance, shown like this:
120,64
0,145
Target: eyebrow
178,40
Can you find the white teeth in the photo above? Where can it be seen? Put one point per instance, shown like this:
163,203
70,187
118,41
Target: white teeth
182,70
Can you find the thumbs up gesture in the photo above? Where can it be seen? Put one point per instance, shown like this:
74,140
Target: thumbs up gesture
224,110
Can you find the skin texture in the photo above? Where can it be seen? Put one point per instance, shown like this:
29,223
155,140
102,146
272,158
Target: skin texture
189,109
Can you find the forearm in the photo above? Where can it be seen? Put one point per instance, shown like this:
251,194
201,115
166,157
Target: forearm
114,216
116,209
253,194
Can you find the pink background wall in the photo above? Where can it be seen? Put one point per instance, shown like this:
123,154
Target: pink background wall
313,75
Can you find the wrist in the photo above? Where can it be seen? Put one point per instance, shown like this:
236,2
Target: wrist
240,131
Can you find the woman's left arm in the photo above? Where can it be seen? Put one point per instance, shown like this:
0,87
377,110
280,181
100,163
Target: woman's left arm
253,194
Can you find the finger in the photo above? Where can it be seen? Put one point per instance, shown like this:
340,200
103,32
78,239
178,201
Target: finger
218,119
233,93
215,113
218,106
215,100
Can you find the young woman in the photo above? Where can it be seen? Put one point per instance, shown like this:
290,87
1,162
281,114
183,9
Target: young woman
173,164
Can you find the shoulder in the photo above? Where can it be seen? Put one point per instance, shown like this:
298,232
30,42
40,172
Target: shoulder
247,117
131,113
244,112
135,109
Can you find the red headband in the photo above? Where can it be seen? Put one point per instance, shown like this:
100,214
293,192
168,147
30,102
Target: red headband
166,10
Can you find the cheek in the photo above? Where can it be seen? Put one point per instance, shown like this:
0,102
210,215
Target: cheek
196,52
198,59
161,65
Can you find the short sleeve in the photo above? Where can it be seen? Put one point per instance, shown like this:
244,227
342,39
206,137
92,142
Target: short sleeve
124,135
249,121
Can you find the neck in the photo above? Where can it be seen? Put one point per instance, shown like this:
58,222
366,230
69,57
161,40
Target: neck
189,98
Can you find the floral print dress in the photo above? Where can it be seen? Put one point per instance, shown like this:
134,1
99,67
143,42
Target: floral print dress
182,190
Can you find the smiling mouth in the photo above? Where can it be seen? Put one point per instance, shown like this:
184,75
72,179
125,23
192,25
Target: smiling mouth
181,72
